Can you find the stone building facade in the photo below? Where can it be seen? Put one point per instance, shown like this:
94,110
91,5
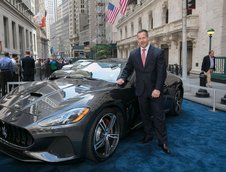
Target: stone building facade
17,30
163,20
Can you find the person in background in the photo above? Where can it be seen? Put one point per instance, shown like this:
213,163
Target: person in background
53,64
47,67
150,68
15,67
43,70
28,67
208,66
38,69
61,63
6,67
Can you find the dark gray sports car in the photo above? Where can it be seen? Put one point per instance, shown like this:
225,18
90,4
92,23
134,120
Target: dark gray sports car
81,115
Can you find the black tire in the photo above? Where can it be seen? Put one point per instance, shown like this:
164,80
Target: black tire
103,136
177,102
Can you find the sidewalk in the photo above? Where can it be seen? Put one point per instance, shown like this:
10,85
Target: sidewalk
192,85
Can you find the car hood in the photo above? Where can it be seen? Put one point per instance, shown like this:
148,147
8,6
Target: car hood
34,101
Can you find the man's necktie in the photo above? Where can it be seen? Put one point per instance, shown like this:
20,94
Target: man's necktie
143,56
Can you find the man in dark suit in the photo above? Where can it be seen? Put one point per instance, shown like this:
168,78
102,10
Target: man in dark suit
208,66
28,66
150,68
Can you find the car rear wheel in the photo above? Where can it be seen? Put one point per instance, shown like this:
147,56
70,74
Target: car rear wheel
104,134
177,102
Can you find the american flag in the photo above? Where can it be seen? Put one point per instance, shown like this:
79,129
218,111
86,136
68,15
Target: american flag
112,13
123,4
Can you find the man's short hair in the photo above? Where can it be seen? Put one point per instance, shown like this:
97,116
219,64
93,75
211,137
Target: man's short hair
28,52
143,30
210,51
6,54
14,55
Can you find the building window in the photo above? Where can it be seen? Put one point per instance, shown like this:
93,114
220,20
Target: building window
150,21
14,35
20,7
125,31
31,41
139,24
132,29
34,42
6,32
120,33
165,13
167,16
27,40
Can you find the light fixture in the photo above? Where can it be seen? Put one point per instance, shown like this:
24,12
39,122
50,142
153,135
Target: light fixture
210,32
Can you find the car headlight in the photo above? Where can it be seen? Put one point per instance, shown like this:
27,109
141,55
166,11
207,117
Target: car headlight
68,117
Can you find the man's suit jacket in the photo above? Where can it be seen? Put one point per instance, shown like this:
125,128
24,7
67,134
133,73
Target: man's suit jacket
28,65
149,77
206,63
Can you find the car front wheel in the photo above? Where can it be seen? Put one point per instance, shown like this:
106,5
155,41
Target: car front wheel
104,134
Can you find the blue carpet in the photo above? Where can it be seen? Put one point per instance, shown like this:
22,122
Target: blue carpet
197,139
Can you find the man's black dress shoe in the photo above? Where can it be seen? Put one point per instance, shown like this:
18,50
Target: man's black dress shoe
165,148
146,139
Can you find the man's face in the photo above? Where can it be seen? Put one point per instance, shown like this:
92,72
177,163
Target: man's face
142,39
212,53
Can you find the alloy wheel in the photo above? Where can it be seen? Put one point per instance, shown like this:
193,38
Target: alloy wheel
106,136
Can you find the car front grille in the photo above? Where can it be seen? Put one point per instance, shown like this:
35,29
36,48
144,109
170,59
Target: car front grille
15,135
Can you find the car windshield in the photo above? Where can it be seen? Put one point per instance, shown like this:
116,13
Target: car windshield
76,65
107,70
99,70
